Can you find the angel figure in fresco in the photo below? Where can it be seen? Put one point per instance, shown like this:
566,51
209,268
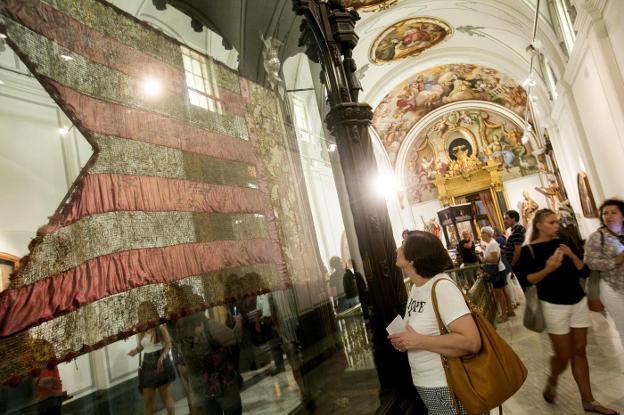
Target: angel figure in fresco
437,129
501,151
513,136
528,208
461,88
416,38
430,167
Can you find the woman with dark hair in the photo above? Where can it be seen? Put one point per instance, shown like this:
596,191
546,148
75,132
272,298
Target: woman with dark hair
423,259
604,252
156,371
556,271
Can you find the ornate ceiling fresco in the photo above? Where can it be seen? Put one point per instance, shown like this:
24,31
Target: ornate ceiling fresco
408,38
369,5
463,140
411,100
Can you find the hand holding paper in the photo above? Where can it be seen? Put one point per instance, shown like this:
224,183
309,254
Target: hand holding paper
397,326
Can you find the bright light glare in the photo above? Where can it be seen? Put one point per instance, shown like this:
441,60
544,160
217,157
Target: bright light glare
1,82
331,148
387,185
63,130
151,87
67,58
525,138
3,36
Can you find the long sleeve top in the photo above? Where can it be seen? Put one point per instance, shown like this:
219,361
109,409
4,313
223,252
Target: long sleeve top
601,249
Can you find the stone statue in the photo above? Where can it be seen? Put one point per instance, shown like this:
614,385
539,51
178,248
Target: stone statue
528,208
272,63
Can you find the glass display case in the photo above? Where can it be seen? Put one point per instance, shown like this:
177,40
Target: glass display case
454,221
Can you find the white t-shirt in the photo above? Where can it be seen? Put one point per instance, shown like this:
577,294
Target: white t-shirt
493,246
427,370
147,342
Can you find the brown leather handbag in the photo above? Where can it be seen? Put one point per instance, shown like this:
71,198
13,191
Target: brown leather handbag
484,380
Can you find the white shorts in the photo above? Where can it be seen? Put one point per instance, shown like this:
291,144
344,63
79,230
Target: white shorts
560,318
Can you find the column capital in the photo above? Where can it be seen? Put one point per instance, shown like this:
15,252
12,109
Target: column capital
349,113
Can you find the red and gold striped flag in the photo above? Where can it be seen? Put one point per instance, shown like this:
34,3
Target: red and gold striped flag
174,193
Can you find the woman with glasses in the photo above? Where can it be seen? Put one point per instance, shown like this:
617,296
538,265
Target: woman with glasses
556,271
604,252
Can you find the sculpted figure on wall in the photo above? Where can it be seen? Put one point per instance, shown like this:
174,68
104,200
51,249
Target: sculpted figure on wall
528,208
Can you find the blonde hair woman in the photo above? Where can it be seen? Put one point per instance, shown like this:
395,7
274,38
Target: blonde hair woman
556,270
156,371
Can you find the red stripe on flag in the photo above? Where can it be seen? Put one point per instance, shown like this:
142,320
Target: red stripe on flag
95,46
103,193
115,273
233,102
113,119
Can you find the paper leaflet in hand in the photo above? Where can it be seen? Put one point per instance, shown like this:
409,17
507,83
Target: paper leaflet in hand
397,326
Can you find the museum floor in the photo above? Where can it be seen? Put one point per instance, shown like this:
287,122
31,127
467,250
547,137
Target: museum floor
355,390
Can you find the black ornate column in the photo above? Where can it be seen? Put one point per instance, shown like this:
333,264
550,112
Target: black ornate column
329,36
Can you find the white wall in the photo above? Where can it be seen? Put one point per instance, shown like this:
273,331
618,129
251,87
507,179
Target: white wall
587,120
32,175
598,118
613,17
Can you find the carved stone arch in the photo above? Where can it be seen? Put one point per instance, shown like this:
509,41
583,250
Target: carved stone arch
427,121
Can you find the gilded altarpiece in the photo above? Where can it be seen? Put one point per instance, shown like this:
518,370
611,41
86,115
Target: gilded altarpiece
466,151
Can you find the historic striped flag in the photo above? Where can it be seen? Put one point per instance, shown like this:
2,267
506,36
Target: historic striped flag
191,170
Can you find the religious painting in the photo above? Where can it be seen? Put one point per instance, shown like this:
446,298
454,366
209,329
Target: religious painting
409,37
369,5
459,145
461,141
400,110
588,204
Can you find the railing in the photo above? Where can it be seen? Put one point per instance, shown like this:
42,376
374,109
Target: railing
355,338
472,281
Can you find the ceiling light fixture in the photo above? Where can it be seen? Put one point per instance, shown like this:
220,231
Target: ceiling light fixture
529,82
533,49
3,36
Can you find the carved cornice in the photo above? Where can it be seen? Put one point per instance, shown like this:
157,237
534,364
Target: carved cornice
349,113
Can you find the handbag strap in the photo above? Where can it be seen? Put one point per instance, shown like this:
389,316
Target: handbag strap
436,310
